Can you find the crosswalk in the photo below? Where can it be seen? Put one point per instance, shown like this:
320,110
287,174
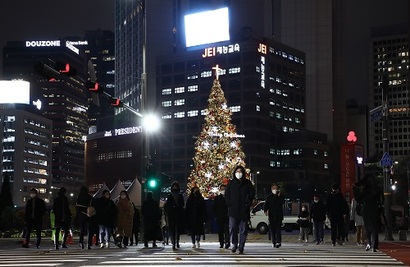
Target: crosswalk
256,254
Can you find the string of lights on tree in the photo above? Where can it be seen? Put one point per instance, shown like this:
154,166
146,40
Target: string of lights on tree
218,148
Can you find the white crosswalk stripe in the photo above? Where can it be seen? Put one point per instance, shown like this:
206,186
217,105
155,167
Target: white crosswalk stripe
256,254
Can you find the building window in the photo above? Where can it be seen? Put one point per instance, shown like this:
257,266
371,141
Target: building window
235,109
166,91
234,70
258,108
179,115
206,74
179,102
192,88
179,90
167,115
192,113
167,103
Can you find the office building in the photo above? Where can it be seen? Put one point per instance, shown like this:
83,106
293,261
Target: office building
389,68
26,152
264,84
64,101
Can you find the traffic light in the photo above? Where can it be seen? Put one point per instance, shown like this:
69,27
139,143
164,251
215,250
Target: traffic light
53,70
152,183
94,87
116,102
66,69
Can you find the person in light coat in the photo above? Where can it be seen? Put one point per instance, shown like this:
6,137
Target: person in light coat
358,222
125,216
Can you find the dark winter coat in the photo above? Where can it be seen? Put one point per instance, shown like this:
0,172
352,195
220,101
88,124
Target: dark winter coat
336,207
318,211
136,221
371,197
274,207
61,209
83,201
151,216
195,214
106,212
239,196
39,210
303,219
220,208
174,210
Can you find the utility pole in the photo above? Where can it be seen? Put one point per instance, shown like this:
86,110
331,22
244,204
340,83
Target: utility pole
386,169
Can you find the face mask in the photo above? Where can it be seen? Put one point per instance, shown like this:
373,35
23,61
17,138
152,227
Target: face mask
303,209
223,192
238,175
32,195
274,191
316,201
123,196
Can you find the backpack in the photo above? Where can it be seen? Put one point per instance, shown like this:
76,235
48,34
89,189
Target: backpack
359,208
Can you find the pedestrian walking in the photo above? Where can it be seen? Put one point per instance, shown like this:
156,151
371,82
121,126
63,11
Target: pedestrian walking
368,192
174,211
274,210
303,222
220,208
239,197
136,225
62,214
151,216
84,201
106,216
125,216
318,216
195,216
33,218
337,211
356,210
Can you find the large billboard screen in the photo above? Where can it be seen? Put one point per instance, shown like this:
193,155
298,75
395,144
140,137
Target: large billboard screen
14,92
207,27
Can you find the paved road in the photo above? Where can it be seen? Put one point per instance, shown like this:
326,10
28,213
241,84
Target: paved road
258,252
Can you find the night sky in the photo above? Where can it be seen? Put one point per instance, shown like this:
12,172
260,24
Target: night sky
22,20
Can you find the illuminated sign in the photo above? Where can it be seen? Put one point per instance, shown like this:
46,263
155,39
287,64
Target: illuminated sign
351,137
14,92
221,50
262,71
43,43
72,48
77,42
230,135
263,49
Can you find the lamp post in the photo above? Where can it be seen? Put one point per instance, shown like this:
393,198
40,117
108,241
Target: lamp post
386,169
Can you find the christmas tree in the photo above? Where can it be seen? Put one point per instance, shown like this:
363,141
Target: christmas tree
218,148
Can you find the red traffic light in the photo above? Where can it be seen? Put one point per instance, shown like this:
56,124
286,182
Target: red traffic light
94,87
66,69
116,102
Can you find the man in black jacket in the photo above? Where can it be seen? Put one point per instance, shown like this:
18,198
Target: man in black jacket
337,210
318,215
274,210
239,197
62,213
33,217
222,219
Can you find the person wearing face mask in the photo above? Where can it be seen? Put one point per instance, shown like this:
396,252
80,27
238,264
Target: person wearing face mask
274,210
221,213
318,216
337,210
174,212
62,212
239,194
106,216
33,217
151,218
303,222
195,216
125,216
